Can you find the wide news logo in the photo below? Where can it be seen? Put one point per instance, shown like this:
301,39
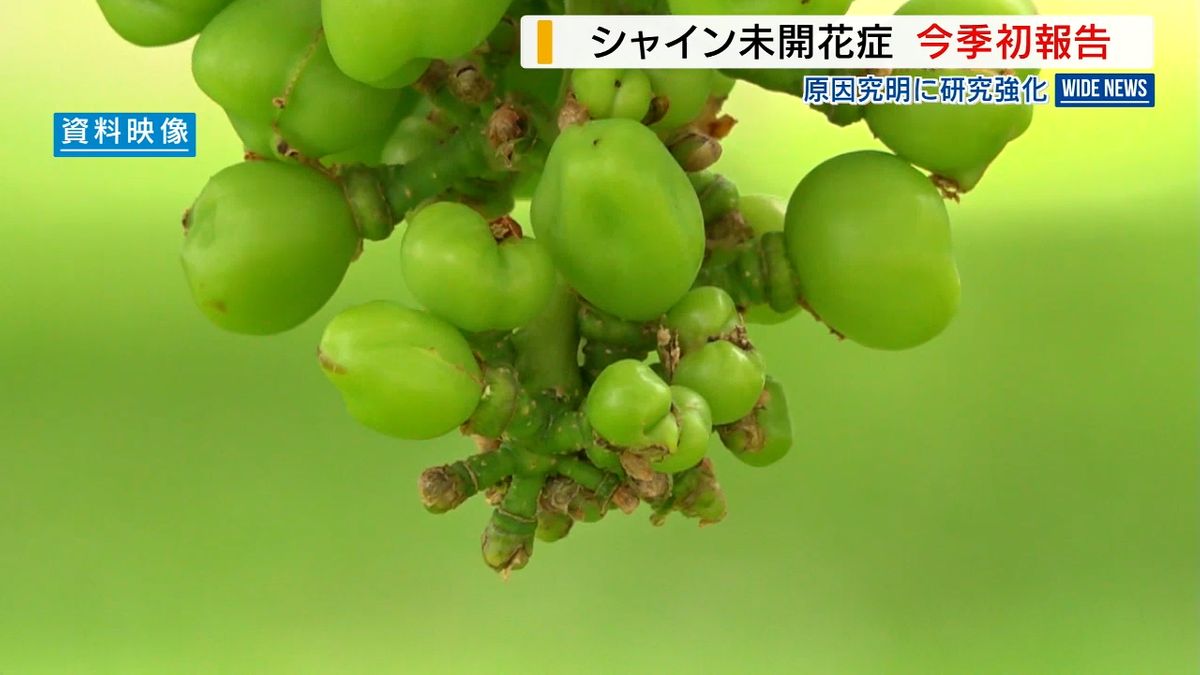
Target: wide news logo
1077,90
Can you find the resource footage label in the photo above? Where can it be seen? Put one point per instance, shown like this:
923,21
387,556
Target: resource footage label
124,134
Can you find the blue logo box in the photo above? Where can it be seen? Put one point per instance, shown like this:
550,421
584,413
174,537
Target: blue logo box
1091,90
124,134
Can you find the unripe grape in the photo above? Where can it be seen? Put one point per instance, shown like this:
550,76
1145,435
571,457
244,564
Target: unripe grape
267,64
760,7
388,43
694,418
704,313
972,7
630,406
401,372
958,142
685,92
869,238
842,114
153,23
765,436
967,7
613,93
266,246
728,377
454,266
631,251
722,85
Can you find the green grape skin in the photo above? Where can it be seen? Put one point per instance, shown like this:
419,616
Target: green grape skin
606,92
958,142
729,378
155,23
686,93
760,7
722,85
869,239
401,372
706,312
953,141
967,7
972,7
368,153
455,268
773,438
630,406
694,418
1022,123
282,84
388,43
764,213
631,251
842,114
266,246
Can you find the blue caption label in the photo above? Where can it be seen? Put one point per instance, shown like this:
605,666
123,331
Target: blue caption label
124,134
1089,90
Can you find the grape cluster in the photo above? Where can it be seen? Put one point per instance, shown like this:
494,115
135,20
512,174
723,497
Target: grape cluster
591,364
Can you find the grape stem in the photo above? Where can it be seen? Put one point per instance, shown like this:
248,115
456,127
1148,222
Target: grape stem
463,155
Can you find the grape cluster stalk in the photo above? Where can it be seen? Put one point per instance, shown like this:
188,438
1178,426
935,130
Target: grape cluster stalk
593,364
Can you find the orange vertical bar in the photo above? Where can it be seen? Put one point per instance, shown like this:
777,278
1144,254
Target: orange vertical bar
545,42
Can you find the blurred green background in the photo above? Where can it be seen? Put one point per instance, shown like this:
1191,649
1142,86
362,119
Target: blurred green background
1018,497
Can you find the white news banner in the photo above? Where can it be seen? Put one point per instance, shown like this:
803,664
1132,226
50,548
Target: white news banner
839,42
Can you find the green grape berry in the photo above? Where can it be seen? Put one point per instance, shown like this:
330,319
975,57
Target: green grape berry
967,7
869,238
760,7
401,372
280,86
630,406
613,93
764,213
972,7
730,378
685,92
591,365
764,437
957,142
629,250
266,246
842,114
694,419
388,43
722,85
704,313
153,23
456,268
